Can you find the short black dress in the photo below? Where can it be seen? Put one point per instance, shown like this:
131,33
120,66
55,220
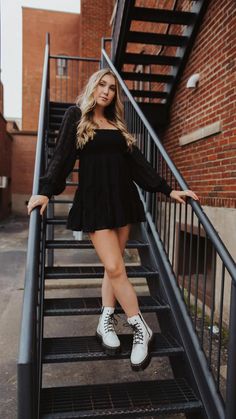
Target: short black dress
106,196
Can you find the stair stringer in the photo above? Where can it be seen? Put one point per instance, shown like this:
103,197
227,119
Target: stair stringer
195,365
165,320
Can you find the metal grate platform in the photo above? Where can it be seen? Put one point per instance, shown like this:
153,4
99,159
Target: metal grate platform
93,305
87,244
87,348
119,400
69,272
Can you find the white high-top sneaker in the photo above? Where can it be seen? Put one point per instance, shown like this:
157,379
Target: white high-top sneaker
106,332
142,339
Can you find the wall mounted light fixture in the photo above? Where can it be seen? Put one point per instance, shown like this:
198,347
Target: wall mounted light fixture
193,81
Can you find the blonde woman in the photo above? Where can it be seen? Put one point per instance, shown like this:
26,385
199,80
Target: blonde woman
106,202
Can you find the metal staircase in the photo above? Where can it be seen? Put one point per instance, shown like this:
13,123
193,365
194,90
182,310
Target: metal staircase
112,400
151,58
195,387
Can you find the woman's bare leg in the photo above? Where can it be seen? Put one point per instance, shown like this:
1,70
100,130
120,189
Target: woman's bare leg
107,246
108,297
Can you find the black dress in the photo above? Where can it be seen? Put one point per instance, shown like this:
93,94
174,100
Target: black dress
106,196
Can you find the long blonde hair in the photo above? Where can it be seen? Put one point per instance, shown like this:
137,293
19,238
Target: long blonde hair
113,112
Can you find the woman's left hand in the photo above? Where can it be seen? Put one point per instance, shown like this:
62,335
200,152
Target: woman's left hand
179,194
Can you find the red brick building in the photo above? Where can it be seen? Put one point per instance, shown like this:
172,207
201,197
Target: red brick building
65,34
71,35
5,163
201,134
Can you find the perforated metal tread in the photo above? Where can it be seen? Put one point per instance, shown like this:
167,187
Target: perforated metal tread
135,399
61,201
93,305
66,272
87,244
56,221
163,15
87,348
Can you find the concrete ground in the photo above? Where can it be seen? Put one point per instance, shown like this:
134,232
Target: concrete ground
13,247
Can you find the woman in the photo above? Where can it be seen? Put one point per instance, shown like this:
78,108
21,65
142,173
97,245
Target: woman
106,202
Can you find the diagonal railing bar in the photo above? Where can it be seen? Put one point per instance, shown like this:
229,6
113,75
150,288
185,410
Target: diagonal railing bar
196,254
28,365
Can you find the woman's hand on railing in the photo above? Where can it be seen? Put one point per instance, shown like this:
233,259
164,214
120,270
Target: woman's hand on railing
177,195
37,200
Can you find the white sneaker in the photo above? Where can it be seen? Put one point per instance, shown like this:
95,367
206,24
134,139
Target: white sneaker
142,340
106,332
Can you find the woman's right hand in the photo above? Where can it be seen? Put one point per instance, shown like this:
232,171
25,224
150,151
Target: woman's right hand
37,200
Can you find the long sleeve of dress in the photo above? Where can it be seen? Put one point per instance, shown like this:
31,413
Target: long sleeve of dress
143,173
53,182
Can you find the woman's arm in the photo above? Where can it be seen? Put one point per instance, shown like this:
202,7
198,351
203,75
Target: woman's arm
143,173
147,178
61,164
53,182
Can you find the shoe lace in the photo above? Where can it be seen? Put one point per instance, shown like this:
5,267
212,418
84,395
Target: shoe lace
109,322
138,333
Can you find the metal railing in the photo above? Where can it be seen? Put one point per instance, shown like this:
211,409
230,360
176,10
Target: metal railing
68,75
202,273
28,367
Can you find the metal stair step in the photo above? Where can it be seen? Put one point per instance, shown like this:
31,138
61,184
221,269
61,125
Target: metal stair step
158,78
60,105
86,272
52,134
149,14
50,154
71,183
54,117
54,125
133,399
87,348
56,110
156,38
56,221
150,94
87,244
51,144
61,201
93,306
132,58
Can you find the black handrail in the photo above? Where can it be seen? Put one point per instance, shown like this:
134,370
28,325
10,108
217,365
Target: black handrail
76,58
27,368
180,271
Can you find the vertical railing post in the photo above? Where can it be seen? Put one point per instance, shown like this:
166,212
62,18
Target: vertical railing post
231,366
148,195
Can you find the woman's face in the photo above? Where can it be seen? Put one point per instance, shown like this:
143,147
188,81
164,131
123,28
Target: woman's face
105,90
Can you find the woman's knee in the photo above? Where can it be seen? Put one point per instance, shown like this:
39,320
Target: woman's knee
114,269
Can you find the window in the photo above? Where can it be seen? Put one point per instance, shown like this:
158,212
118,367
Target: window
62,67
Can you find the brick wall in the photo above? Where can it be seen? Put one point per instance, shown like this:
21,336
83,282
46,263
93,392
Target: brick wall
5,168
64,29
209,164
95,24
23,153
1,98
95,18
